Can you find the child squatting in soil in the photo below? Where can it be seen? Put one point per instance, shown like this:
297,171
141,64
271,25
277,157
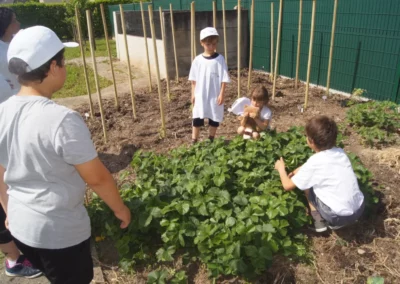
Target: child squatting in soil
209,75
327,178
46,159
259,99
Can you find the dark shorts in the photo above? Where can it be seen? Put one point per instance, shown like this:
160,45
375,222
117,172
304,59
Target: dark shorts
5,236
72,265
198,122
328,215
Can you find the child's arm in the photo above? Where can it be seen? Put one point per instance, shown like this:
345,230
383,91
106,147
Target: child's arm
221,96
287,183
98,178
3,190
294,172
262,124
193,90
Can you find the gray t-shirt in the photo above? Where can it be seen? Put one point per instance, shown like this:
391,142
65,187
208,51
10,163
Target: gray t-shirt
40,142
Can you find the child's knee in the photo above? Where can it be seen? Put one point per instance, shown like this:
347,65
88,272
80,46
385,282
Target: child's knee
256,135
240,130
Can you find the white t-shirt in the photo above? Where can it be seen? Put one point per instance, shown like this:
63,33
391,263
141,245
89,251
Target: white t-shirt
4,68
5,89
238,109
209,74
40,142
331,176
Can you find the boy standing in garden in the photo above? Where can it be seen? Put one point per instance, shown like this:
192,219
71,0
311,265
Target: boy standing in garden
327,178
209,75
47,158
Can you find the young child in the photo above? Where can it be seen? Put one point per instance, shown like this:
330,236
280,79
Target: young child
327,178
46,159
209,75
260,99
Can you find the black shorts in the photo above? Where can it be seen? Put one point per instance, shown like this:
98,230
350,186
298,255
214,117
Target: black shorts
331,217
5,235
72,265
198,122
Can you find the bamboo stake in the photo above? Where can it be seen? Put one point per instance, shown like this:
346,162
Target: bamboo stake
299,44
145,44
153,35
328,80
109,55
239,35
121,9
251,43
278,47
214,14
314,4
79,30
173,41
165,52
91,38
272,42
224,26
192,29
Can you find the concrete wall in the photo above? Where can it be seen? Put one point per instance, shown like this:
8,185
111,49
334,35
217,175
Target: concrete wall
136,43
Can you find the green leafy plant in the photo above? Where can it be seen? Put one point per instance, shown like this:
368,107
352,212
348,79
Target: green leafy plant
222,203
376,122
157,277
180,278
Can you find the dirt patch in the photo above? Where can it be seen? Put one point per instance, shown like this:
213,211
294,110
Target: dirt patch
348,256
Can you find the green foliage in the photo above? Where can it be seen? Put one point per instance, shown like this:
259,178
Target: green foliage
157,277
223,203
376,122
180,278
375,280
61,17
101,50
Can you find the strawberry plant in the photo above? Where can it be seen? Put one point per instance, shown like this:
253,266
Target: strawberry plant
377,122
222,203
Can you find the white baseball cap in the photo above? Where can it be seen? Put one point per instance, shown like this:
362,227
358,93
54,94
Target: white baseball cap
35,46
208,32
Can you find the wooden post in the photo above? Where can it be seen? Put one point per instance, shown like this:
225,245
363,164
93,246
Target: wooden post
251,43
192,30
91,38
153,35
314,4
214,4
272,42
121,10
239,35
165,52
224,27
79,30
173,41
328,80
109,55
299,44
145,44
278,47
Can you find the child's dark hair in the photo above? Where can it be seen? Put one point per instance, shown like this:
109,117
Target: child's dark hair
210,39
260,94
18,67
323,131
6,16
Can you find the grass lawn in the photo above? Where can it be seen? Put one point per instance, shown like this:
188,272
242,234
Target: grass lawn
75,85
101,49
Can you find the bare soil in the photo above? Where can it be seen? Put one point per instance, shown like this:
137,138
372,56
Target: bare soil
351,255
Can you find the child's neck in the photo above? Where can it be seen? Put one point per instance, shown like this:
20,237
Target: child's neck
208,54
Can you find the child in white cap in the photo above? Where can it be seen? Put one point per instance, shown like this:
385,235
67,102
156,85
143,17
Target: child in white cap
46,159
209,75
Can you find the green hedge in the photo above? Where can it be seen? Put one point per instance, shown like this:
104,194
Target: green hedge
61,17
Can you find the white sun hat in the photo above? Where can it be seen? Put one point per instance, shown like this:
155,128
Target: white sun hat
206,32
35,46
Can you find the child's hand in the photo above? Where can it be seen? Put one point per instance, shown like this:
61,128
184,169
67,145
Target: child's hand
253,115
280,165
220,100
124,214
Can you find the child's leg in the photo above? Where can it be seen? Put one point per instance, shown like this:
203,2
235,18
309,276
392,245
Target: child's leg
213,129
256,135
240,130
197,123
319,222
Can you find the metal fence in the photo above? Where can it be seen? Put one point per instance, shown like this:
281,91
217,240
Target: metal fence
367,41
